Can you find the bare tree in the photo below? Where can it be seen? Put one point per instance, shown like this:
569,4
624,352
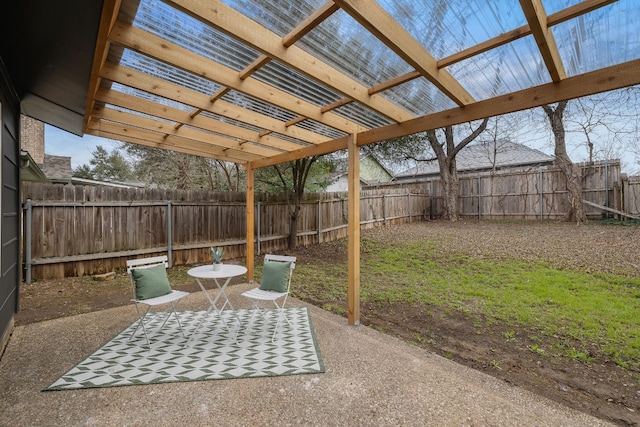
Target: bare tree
570,170
446,152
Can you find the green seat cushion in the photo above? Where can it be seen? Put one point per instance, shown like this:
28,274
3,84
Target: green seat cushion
151,282
275,276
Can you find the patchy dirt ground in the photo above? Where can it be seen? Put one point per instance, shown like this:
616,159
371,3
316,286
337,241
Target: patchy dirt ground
600,388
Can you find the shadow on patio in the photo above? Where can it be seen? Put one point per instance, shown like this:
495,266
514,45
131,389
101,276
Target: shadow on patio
371,379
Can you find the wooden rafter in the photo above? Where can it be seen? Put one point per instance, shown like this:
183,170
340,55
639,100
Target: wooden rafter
230,22
164,51
283,49
206,124
171,91
328,9
147,138
537,19
385,28
603,80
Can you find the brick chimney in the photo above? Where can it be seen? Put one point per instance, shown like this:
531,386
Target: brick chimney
32,138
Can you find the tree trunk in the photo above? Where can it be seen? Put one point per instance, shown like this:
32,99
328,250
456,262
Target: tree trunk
449,178
570,170
446,155
293,228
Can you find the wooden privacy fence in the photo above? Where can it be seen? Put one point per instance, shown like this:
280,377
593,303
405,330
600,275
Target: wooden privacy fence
631,192
86,230
535,193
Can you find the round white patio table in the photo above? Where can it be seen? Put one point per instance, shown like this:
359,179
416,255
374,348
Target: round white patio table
207,273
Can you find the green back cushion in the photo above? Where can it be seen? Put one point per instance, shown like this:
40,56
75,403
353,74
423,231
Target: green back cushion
275,276
151,282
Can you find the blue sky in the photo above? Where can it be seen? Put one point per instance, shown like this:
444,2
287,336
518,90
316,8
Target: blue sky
62,143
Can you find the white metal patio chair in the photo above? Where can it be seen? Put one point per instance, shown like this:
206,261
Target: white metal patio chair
275,284
151,288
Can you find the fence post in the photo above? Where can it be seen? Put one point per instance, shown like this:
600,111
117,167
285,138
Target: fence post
431,207
479,198
606,187
27,245
409,205
384,209
540,183
319,221
169,234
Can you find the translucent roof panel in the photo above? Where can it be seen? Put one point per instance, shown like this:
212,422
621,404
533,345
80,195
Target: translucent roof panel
258,106
278,16
162,20
600,38
231,121
447,27
294,83
314,126
158,69
419,97
553,6
505,69
347,46
151,97
362,115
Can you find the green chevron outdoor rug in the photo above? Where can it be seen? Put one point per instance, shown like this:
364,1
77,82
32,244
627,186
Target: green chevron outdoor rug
212,353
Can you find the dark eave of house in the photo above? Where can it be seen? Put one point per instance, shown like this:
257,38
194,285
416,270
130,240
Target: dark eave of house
48,51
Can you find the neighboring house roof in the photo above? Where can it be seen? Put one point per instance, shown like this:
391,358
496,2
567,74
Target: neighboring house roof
57,167
57,170
479,157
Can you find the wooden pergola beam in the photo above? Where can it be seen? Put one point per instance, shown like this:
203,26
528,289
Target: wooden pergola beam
375,19
138,80
537,18
155,140
328,9
603,80
238,26
162,50
269,143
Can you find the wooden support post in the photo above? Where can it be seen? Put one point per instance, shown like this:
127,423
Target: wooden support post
250,222
353,294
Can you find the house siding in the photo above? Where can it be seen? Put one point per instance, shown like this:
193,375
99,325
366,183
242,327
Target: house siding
9,205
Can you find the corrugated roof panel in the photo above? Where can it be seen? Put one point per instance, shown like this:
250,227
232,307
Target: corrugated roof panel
279,16
362,115
256,105
505,69
447,27
347,46
164,21
419,97
294,83
175,75
322,129
600,38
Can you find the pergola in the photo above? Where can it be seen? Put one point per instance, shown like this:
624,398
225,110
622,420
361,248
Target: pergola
261,82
